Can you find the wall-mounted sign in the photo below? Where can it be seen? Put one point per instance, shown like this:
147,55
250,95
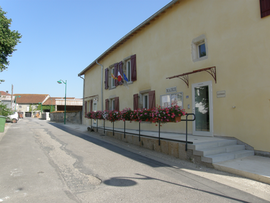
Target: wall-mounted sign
187,97
221,93
171,89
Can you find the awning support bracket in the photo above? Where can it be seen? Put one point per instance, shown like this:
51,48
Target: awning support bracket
184,76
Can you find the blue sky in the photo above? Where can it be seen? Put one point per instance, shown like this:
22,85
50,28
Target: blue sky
62,37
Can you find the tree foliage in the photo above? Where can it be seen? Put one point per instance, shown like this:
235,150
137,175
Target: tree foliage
51,108
4,110
8,40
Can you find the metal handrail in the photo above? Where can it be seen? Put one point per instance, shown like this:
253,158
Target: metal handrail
159,138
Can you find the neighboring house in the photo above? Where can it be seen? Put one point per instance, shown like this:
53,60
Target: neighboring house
210,57
72,104
5,98
28,103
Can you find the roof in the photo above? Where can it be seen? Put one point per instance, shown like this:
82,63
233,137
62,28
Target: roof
51,100
30,98
3,93
130,34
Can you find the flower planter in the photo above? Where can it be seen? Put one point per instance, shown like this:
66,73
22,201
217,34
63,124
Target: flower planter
177,119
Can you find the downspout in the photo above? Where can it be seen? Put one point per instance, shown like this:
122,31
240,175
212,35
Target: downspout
101,85
83,96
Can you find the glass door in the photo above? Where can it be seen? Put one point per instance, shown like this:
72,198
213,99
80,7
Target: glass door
203,108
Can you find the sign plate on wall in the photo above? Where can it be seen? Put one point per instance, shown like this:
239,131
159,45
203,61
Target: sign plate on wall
221,93
171,89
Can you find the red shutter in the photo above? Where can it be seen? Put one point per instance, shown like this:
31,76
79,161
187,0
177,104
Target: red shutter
265,8
107,104
133,68
116,103
91,105
152,100
116,73
120,67
107,78
85,109
135,101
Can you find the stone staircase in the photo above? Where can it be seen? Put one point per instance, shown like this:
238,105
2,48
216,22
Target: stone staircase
220,150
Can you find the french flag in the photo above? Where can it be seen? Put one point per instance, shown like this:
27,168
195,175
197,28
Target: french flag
119,76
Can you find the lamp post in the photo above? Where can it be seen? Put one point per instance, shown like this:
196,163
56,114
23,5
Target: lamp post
60,82
15,100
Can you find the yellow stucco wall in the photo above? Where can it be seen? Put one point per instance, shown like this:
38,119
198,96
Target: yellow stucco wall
238,45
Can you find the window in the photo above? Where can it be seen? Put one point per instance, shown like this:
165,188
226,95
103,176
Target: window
199,48
128,70
265,8
173,99
112,104
112,79
145,101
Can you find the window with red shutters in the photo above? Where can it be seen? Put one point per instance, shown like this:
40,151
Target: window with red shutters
120,67
107,78
116,103
107,104
91,105
152,99
85,108
133,68
265,8
135,101
116,73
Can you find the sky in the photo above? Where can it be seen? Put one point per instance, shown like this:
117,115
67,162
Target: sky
60,38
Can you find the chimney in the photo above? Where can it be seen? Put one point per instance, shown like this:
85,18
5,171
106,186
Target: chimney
7,92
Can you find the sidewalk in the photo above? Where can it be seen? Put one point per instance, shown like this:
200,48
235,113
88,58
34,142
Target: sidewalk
253,167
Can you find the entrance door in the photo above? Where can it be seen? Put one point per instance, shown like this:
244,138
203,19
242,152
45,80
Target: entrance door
203,108
94,109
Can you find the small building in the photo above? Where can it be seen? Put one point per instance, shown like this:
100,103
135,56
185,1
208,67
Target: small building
5,98
27,104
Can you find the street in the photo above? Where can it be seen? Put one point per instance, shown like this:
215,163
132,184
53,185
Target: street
43,161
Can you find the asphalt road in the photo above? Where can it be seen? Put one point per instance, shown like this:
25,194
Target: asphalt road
48,162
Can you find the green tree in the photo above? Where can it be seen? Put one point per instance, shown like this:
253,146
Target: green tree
51,108
8,40
4,110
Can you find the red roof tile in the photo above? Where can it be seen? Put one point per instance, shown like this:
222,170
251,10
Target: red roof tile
3,93
30,98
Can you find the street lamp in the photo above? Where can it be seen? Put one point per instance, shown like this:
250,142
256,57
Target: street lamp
60,82
15,100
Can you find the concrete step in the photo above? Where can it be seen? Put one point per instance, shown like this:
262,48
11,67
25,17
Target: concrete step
215,158
219,150
211,144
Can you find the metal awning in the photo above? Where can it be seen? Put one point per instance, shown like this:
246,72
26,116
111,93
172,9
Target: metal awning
184,76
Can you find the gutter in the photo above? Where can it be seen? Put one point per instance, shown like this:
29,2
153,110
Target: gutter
101,85
83,96
146,22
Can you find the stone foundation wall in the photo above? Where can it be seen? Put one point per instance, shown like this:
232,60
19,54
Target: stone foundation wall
74,117
172,148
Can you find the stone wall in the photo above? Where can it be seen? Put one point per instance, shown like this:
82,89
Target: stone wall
74,117
171,148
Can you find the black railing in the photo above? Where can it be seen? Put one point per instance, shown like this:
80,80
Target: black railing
159,138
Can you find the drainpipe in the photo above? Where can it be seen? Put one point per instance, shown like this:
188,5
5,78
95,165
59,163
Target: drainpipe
83,96
101,85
